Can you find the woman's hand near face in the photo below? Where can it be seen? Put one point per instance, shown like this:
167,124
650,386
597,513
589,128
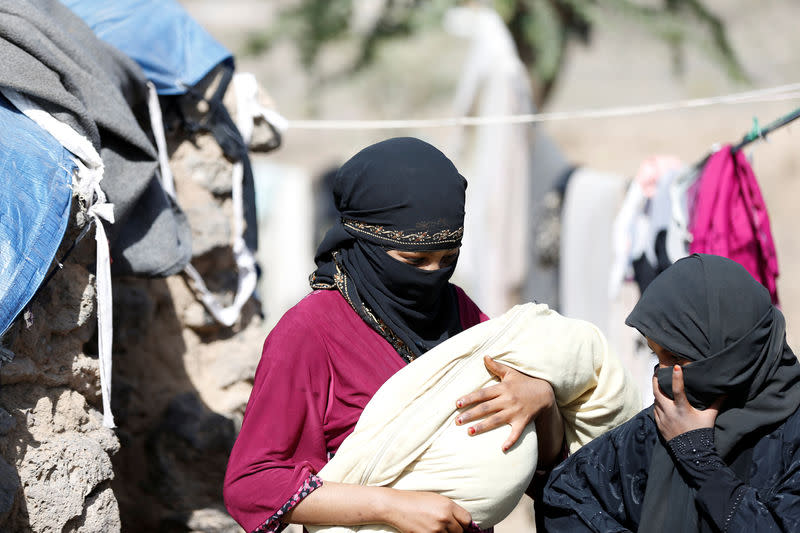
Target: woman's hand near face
516,400
676,417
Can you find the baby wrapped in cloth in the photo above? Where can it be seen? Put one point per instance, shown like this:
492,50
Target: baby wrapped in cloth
407,438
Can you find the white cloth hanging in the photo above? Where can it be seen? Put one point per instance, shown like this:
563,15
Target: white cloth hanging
494,82
590,202
655,201
248,109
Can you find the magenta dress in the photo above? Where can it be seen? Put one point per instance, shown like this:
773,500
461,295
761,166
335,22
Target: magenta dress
729,218
320,366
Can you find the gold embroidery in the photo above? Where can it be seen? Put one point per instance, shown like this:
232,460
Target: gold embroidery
341,282
405,237
312,280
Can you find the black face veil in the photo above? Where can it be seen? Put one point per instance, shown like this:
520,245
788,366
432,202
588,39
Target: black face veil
401,194
710,310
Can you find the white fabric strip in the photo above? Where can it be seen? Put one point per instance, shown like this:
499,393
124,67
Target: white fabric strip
87,184
246,90
157,124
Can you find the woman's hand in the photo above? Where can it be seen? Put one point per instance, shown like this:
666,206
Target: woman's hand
345,504
424,512
516,400
676,417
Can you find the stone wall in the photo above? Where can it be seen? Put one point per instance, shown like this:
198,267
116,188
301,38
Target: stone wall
55,455
180,385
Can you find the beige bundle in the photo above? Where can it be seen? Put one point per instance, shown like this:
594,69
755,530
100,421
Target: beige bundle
407,438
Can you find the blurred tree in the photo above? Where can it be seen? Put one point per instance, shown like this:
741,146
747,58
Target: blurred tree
541,29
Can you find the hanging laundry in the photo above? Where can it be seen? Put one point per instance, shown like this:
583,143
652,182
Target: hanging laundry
644,233
730,218
549,175
587,218
494,82
682,194
546,227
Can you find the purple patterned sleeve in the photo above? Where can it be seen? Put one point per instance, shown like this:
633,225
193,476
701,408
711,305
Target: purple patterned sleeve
273,524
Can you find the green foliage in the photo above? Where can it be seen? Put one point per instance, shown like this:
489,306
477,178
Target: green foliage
317,22
682,22
541,30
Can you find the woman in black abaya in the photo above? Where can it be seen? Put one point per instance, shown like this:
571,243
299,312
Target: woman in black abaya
720,448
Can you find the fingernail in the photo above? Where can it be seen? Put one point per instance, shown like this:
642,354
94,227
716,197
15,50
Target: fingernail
505,449
459,403
471,431
676,368
458,420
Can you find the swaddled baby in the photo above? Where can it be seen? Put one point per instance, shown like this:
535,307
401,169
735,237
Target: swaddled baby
407,438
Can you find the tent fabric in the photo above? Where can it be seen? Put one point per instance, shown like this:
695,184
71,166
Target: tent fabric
52,57
35,199
406,438
172,49
176,54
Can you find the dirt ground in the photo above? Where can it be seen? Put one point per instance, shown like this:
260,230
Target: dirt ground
623,66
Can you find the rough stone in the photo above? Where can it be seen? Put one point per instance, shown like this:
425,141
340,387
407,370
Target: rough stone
134,310
7,422
204,162
71,300
238,363
190,440
60,451
20,370
84,378
198,318
188,419
180,385
101,514
57,477
209,216
213,520
211,228
9,487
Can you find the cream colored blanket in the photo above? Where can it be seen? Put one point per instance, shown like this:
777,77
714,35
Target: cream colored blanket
406,437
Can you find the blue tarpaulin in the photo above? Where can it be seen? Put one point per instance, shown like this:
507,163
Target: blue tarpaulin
35,198
174,51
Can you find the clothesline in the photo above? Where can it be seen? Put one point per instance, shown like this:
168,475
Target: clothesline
771,94
758,132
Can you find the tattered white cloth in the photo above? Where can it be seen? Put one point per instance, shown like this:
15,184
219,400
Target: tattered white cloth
407,439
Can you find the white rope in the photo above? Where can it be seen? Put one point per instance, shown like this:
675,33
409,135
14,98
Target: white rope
247,110
87,184
771,94
157,125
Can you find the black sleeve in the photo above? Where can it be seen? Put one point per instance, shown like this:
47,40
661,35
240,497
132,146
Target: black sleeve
600,488
728,501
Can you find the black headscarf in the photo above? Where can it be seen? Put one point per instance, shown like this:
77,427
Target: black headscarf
710,310
401,194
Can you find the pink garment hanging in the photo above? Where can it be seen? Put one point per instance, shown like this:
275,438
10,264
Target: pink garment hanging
730,218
